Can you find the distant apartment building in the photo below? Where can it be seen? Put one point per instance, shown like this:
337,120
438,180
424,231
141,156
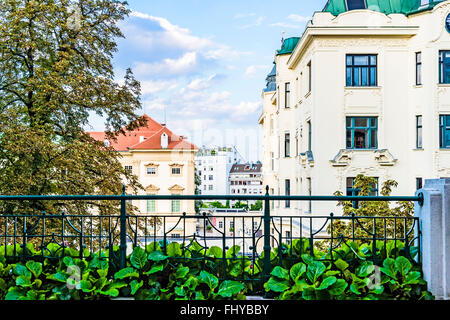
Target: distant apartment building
246,179
164,164
213,166
364,90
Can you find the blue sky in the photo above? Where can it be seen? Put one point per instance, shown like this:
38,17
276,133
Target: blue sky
203,63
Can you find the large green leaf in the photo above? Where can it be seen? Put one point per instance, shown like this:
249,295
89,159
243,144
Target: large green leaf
308,259
402,265
135,286
85,286
35,268
280,272
276,285
215,252
174,250
126,273
389,268
233,251
315,270
209,279
157,256
21,270
341,264
155,268
59,276
138,258
15,293
23,282
338,287
297,271
365,269
229,288
327,282
181,272
412,278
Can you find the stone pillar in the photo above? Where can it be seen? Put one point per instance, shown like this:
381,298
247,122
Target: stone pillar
434,218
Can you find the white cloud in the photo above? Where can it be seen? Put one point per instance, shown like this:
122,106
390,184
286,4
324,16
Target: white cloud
298,22
173,36
156,86
251,70
185,64
298,18
202,83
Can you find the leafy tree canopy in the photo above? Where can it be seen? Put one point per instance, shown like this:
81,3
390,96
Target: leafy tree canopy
55,71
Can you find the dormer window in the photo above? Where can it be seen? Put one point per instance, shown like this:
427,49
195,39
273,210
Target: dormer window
164,141
107,143
356,4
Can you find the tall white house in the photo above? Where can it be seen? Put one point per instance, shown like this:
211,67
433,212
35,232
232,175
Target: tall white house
213,166
364,90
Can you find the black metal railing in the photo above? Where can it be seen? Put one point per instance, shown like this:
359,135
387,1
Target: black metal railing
259,241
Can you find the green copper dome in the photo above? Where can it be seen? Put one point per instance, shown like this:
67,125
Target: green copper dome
288,46
406,7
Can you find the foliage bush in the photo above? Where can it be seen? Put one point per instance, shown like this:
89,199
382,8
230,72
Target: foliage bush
195,273
350,275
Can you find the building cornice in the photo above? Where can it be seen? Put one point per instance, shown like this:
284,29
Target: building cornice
346,31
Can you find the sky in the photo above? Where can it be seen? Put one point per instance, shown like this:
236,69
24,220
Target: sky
202,64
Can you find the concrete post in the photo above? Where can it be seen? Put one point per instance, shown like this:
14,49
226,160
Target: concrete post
434,218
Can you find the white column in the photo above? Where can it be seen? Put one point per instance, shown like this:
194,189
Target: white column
434,218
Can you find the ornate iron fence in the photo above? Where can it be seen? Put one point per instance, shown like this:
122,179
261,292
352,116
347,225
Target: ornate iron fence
261,241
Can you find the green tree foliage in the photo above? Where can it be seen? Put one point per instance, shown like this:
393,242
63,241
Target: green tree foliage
55,71
393,226
257,206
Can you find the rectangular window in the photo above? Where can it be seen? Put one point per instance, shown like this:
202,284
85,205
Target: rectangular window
309,76
309,136
361,70
129,169
444,132
362,132
176,171
176,206
309,186
418,68
356,4
151,171
444,66
287,145
419,132
287,95
175,236
272,156
211,188
419,183
220,224
288,192
353,192
211,178
151,206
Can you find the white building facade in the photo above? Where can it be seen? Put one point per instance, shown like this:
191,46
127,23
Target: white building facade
213,166
364,90
246,179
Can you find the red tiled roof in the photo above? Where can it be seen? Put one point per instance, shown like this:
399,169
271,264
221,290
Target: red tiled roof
151,135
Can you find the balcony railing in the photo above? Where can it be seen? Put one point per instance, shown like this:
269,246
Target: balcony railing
252,236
